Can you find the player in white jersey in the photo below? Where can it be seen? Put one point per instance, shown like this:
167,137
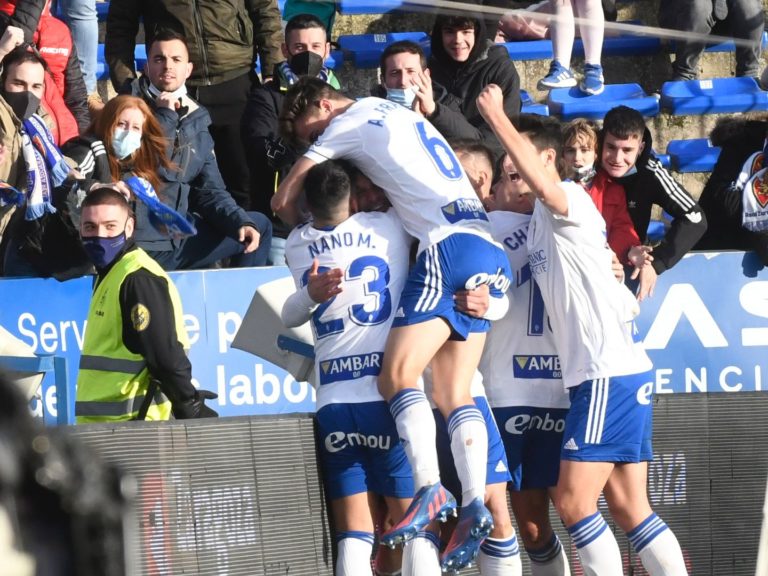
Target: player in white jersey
522,376
348,271
608,428
404,155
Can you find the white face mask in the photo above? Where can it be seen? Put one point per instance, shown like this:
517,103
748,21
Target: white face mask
403,96
125,142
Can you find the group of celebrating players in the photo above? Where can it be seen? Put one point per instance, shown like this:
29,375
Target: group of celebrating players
526,292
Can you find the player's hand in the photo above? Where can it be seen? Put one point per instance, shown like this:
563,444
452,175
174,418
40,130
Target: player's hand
425,97
473,302
648,279
12,37
250,237
322,286
491,100
640,255
166,100
617,268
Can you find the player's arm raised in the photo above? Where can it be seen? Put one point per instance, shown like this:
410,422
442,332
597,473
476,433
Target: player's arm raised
286,202
529,165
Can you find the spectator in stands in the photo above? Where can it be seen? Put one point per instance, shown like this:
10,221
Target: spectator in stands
305,50
39,239
83,21
738,18
182,169
224,36
627,158
464,62
64,82
135,318
579,154
405,79
722,200
563,32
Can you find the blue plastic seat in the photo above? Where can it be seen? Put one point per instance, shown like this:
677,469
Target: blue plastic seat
102,9
570,103
665,159
531,107
102,70
625,44
696,155
369,6
713,96
366,49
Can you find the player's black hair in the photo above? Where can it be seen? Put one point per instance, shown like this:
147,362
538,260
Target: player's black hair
307,92
304,22
544,132
474,147
401,47
326,187
624,122
106,195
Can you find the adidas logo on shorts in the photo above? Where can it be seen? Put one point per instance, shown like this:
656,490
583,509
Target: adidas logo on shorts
571,445
500,467
400,313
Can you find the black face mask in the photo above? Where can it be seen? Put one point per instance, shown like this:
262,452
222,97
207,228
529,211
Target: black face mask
306,64
23,104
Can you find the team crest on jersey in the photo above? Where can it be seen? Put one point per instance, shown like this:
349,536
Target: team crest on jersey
760,188
350,367
140,317
538,366
464,209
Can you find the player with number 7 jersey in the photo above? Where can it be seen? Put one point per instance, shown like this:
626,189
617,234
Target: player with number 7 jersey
407,157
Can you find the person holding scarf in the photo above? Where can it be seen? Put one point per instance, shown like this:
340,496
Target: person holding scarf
134,364
305,49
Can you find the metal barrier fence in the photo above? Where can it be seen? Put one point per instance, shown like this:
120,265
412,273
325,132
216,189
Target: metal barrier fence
242,496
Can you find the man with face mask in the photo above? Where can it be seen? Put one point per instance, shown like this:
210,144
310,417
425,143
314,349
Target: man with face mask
305,49
193,185
133,365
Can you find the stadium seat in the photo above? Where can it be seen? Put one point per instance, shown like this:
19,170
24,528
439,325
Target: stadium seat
366,49
102,9
656,230
102,70
723,46
713,96
665,159
624,44
696,155
531,107
369,6
570,103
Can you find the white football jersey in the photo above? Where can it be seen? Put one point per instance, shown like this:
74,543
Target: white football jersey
406,156
351,329
592,314
520,365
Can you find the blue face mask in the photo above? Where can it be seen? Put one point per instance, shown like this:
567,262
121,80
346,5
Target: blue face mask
402,96
103,251
125,142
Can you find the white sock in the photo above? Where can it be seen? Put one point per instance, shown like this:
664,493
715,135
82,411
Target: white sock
354,553
592,33
500,557
658,548
549,560
469,446
416,428
562,31
598,551
421,556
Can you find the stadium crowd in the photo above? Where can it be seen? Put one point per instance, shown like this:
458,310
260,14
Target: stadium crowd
440,240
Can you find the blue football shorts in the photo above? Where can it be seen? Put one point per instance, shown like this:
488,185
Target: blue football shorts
459,262
610,420
532,439
360,451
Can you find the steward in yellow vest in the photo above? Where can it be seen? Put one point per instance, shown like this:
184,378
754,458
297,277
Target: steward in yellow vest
134,363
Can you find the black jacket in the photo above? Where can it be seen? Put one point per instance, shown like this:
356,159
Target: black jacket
488,63
723,206
651,184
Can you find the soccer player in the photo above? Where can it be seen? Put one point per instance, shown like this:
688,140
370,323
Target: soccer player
608,427
403,154
348,272
522,377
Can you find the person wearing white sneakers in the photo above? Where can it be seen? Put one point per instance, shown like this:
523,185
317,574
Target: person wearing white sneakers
563,31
